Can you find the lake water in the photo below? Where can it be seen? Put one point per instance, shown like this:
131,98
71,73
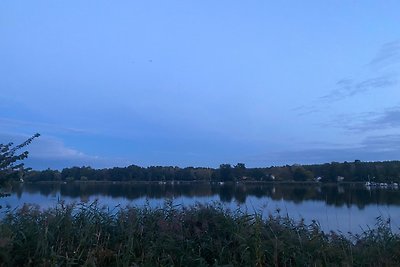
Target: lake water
343,207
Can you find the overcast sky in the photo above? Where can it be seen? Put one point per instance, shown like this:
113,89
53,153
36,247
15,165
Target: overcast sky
199,83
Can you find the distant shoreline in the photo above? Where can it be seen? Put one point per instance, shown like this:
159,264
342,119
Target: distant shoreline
334,172
198,182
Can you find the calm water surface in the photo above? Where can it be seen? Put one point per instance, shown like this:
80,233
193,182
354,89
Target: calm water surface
345,208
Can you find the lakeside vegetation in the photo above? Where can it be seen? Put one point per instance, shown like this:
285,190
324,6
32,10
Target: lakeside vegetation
72,235
357,171
208,235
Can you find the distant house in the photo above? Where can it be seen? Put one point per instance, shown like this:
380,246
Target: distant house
272,177
340,178
318,179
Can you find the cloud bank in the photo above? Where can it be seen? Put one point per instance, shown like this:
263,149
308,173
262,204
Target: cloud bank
372,148
50,152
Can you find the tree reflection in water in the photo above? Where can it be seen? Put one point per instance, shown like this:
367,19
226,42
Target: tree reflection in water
335,195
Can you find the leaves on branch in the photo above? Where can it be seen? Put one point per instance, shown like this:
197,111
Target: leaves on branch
10,159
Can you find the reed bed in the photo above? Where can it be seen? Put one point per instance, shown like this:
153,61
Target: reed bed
201,235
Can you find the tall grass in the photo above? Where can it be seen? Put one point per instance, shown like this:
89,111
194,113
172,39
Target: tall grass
88,235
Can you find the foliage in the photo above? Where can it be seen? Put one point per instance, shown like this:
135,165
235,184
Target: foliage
10,163
301,174
87,235
387,171
226,172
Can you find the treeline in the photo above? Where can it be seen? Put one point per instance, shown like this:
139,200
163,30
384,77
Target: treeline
387,171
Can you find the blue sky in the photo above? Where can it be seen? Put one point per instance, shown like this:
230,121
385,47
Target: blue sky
199,83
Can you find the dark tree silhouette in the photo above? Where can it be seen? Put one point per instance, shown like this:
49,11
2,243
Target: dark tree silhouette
10,160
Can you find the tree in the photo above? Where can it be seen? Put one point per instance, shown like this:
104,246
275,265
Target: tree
10,165
225,171
301,174
239,170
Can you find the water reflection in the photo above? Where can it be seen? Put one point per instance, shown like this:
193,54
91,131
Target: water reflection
344,207
340,195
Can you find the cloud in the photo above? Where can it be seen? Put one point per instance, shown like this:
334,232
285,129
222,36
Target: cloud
370,121
390,118
50,152
388,54
373,83
382,143
50,147
306,110
349,87
372,148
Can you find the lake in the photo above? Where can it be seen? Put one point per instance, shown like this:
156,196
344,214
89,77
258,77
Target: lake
343,207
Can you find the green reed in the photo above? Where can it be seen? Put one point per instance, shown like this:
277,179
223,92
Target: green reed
89,235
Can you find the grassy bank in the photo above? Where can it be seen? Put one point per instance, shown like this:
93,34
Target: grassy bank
75,235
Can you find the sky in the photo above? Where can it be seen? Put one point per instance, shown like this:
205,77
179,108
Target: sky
200,83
